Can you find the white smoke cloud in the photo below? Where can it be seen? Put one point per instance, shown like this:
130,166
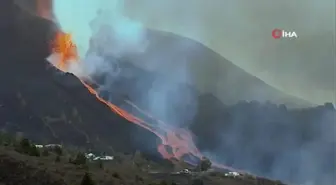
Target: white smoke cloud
103,35
98,23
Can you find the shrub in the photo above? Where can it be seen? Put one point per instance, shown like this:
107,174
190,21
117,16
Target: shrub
58,159
80,159
87,180
26,147
33,151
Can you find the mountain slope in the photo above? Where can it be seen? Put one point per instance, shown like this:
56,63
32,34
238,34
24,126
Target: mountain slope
186,60
48,106
295,146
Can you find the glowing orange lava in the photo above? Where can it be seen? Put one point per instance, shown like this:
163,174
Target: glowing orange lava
64,47
179,141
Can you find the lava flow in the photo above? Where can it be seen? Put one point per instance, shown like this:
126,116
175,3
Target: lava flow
178,140
175,142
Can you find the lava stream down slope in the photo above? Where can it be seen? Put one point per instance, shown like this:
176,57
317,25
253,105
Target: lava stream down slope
176,143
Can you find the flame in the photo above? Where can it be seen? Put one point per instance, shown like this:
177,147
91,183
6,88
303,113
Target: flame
175,142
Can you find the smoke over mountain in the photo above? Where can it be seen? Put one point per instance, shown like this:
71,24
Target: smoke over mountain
242,145
100,30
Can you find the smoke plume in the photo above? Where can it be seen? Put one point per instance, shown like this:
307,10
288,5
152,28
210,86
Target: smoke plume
104,37
115,34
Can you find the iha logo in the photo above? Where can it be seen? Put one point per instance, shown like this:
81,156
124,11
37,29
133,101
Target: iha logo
278,33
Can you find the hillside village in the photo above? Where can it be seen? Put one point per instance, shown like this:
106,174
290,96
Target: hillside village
59,165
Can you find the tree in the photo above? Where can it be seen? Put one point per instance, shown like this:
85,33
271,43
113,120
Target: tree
80,159
204,164
33,151
87,180
25,145
27,148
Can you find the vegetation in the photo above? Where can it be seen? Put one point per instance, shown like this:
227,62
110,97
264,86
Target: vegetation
24,162
87,180
26,147
204,165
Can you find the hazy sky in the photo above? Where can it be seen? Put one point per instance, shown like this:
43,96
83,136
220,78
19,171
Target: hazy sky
240,30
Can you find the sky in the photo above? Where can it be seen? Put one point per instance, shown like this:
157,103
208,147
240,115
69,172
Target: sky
240,30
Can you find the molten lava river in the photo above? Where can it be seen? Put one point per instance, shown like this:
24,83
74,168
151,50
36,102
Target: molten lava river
176,143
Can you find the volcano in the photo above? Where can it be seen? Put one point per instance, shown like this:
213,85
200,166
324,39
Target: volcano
210,72
61,106
49,106
53,103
